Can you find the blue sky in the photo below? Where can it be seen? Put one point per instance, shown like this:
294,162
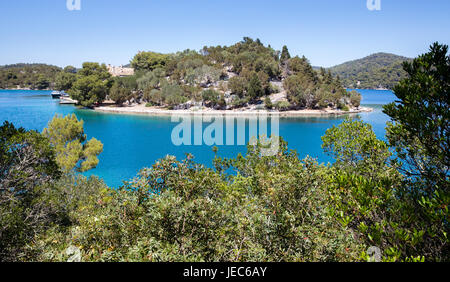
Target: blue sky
327,32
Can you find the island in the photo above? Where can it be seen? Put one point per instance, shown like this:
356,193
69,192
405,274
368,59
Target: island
244,78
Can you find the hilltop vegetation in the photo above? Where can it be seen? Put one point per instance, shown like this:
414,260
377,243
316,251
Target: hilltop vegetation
380,70
247,74
32,76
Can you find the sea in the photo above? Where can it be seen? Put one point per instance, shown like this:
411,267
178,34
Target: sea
132,142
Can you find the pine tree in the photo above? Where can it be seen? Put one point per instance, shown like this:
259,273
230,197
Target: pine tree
255,89
285,54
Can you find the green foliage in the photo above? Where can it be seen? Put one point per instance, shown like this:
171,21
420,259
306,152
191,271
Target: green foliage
238,85
283,105
307,89
300,90
203,75
419,134
355,147
26,165
90,69
272,209
153,96
301,65
92,84
70,69
420,128
246,69
152,79
119,94
35,196
355,98
123,89
255,89
33,76
173,94
268,103
42,82
64,80
149,61
405,215
379,70
249,208
211,96
285,54
66,136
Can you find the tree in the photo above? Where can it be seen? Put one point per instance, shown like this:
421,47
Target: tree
355,98
90,68
66,135
27,163
64,80
33,76
70,69
285,54
268,103
152,79
89,90
149,61
400,203
42,82
301,65
300,89
119,93
153,96
255,89
210,95
92,84
420,128
420,136
123,89
173,94
356,148
238,85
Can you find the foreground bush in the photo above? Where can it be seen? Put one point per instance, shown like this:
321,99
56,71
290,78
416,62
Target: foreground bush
273,209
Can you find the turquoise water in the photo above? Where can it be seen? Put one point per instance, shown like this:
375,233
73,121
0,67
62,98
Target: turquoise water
132,142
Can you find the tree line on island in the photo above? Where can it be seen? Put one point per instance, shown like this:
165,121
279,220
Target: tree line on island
28,76
392,195
244,75
212,69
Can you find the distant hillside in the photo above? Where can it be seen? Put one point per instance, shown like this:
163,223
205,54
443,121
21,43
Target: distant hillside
33,76
380,70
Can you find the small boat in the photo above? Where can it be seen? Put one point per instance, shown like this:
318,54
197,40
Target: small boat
56,94
63,100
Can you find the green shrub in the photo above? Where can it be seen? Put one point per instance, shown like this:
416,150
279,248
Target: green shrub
282,105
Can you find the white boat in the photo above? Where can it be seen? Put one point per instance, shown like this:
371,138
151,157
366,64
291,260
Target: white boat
56,94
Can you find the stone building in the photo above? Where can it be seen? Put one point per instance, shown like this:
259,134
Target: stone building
120,71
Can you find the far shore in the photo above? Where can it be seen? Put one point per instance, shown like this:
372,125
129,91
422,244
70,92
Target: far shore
28,89
155,111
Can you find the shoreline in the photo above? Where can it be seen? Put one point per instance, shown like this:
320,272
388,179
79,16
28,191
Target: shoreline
151,111
26,89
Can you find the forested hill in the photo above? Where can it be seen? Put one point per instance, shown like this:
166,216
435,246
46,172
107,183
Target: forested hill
33,76
380,70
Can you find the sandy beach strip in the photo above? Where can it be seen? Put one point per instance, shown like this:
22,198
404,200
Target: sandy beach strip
152,111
